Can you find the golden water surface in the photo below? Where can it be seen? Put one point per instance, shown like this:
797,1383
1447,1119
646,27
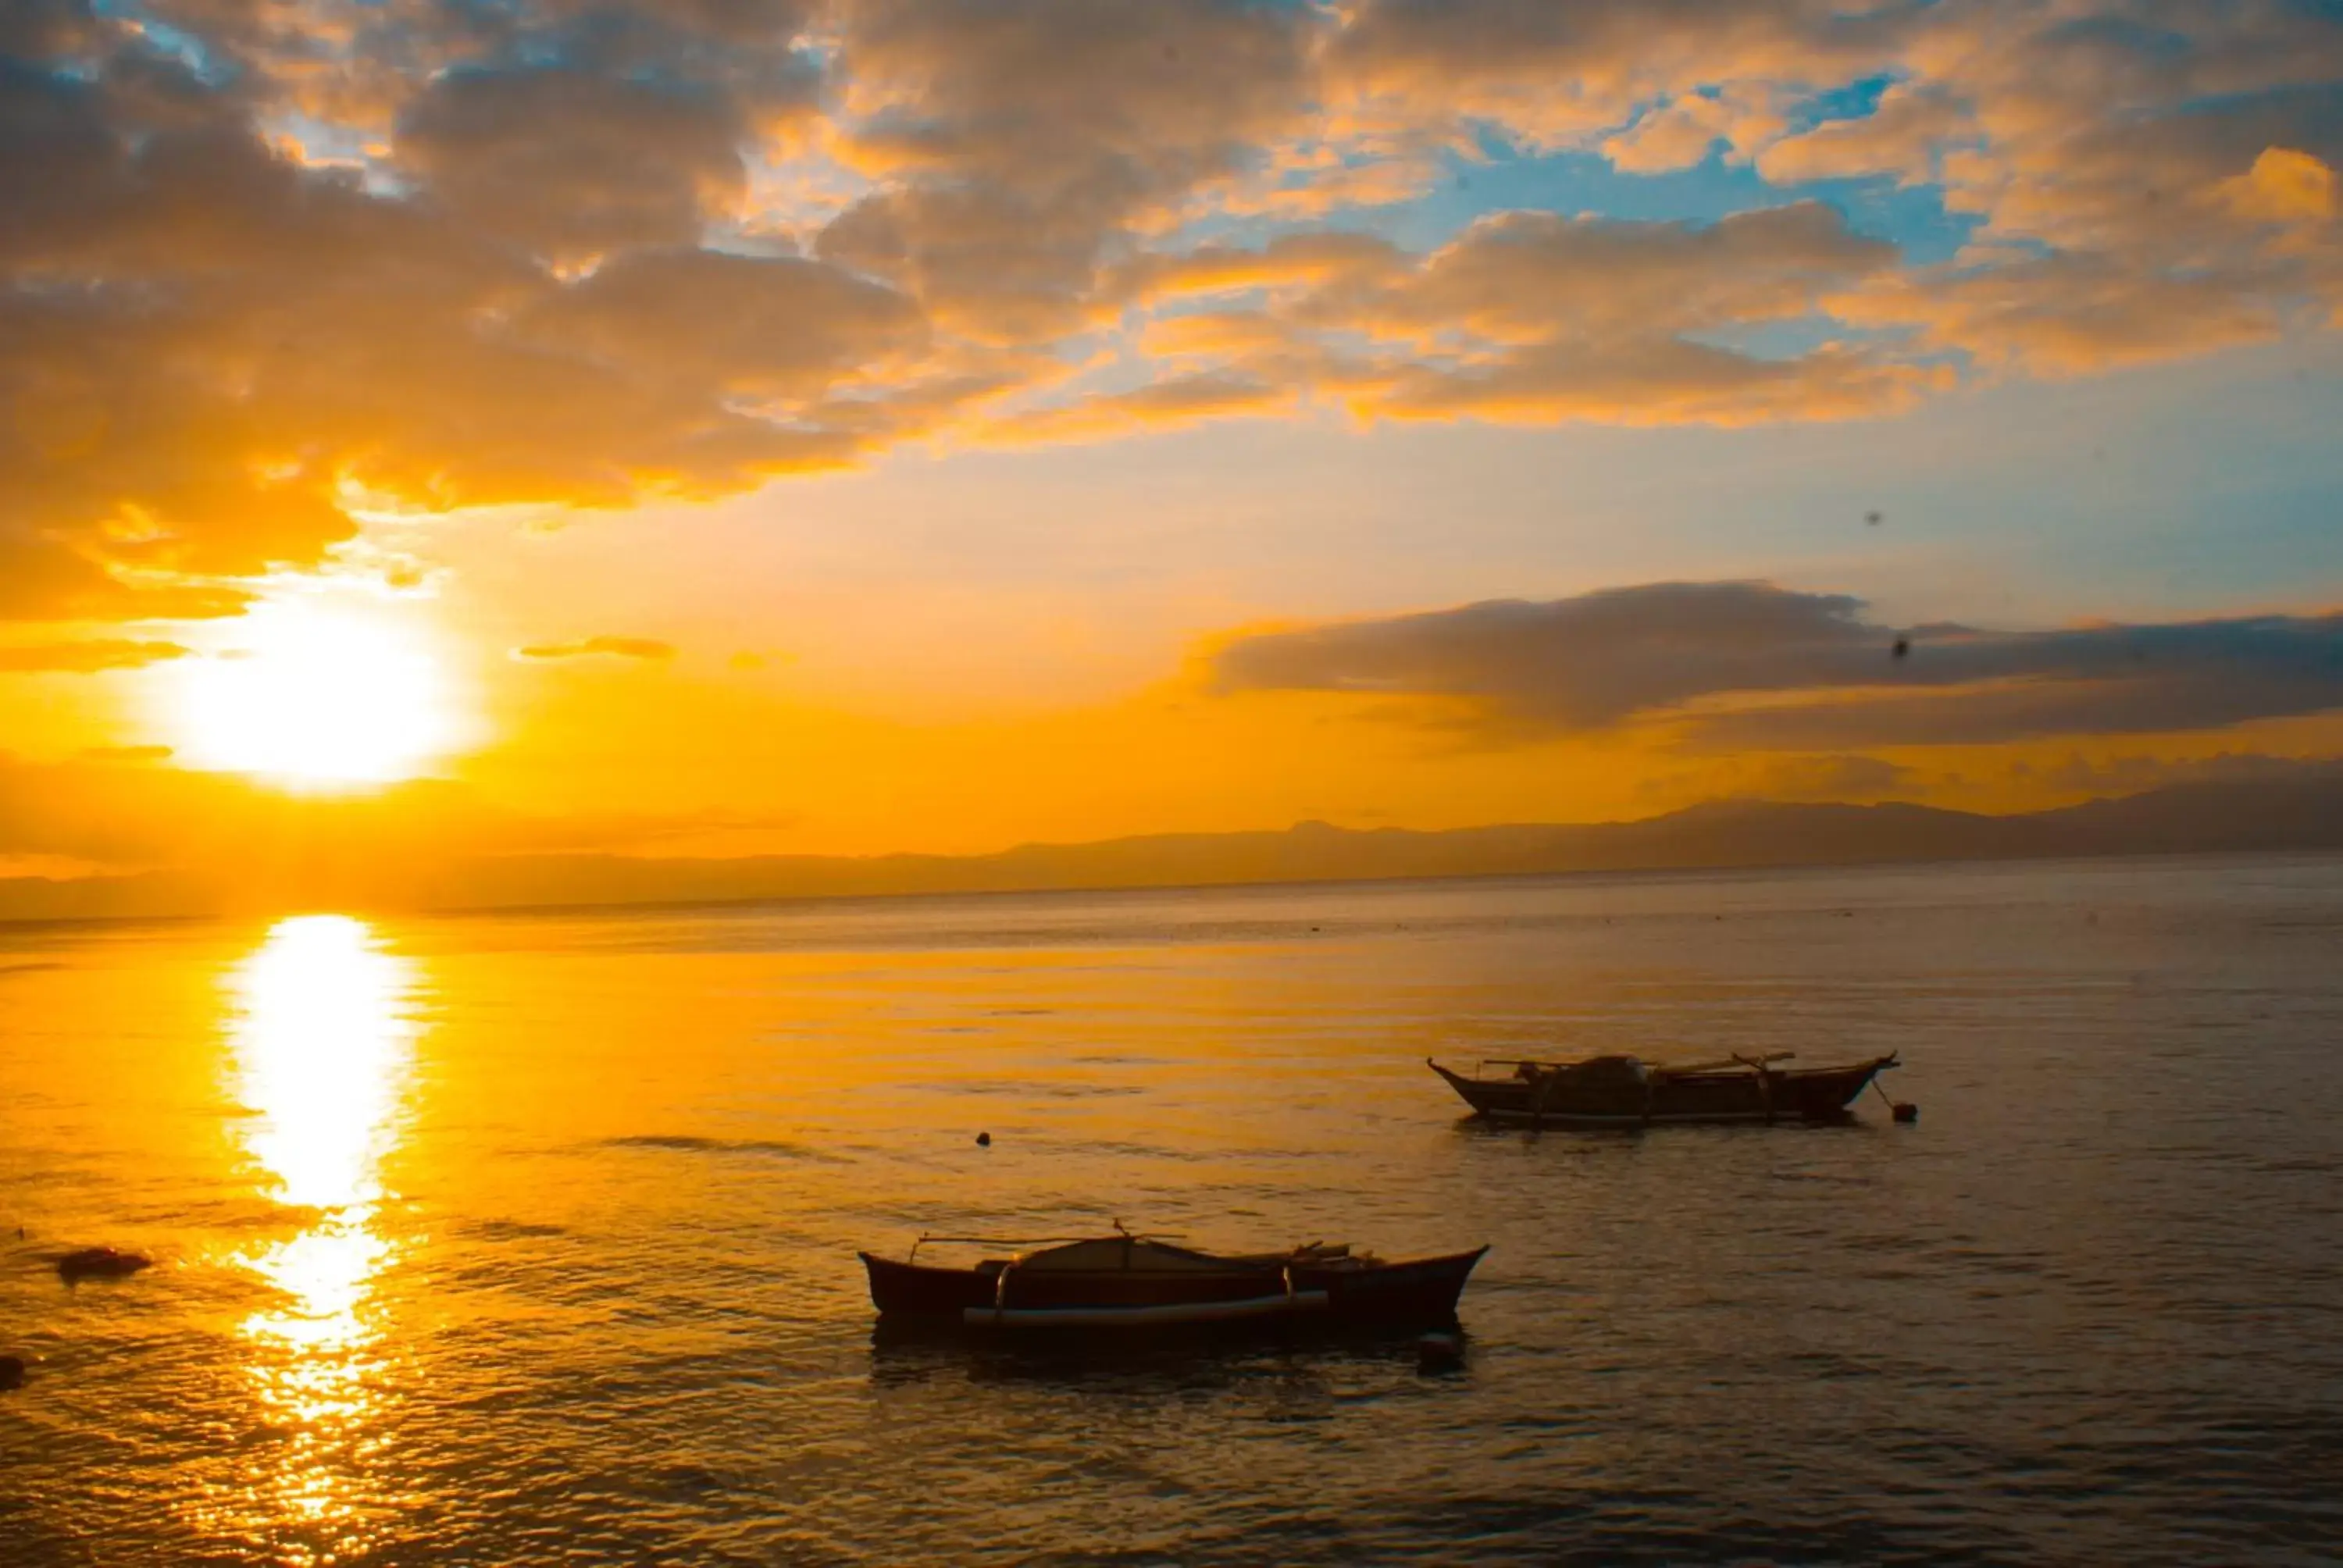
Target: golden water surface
531,1238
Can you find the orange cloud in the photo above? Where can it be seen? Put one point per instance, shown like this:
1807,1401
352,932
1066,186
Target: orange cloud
2085,145
2066,314
1533,317
1670,382
2283,187
642,647
1563,75
1311,259
1170,404
1901,136
252,344
1679,134
87,658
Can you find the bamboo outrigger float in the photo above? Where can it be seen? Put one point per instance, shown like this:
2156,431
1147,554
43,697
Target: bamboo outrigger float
1129,1280
1623,1092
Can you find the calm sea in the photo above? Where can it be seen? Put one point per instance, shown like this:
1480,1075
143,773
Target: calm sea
531,1240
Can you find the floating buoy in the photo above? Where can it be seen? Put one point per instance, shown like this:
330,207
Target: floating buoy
1438,1352
1906,1113
984,1140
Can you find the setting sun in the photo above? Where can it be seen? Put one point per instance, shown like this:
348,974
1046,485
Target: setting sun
316,697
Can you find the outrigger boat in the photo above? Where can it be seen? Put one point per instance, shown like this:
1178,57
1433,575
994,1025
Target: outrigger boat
1624,1091
1131,1281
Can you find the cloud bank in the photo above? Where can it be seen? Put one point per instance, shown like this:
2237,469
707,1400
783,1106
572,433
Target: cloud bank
268,268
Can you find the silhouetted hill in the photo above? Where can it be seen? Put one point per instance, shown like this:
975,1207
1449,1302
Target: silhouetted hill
2294,813
2302,810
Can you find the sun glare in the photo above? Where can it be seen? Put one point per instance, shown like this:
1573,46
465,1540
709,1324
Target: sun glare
316,697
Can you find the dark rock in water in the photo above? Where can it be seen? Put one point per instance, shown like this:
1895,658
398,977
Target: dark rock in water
12,1371
99,1263
984,1140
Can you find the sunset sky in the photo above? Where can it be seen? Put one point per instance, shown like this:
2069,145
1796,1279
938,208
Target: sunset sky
465,427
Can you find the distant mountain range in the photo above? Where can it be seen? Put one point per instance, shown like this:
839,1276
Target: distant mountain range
2300,810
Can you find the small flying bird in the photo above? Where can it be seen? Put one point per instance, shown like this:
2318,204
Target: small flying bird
1873,518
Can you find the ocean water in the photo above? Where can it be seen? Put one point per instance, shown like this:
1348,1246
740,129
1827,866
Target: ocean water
531,1238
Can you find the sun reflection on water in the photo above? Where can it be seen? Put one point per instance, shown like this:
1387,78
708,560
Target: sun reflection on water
322,1033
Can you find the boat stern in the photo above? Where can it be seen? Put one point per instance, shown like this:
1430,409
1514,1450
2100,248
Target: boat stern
909,1290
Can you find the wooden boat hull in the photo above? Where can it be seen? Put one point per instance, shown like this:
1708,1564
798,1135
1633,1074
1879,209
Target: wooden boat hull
1420,1290
909,1290
1819,1095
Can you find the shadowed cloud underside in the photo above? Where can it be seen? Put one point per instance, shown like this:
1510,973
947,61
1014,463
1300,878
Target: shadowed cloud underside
1602,657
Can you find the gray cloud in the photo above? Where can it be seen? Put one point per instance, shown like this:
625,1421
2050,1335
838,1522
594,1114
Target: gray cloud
1639,652
1579,663
569,163
749,327
1020,142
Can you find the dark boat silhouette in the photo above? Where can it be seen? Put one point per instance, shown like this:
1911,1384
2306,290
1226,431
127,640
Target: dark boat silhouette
1623,1092
99,1263
1129,1280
